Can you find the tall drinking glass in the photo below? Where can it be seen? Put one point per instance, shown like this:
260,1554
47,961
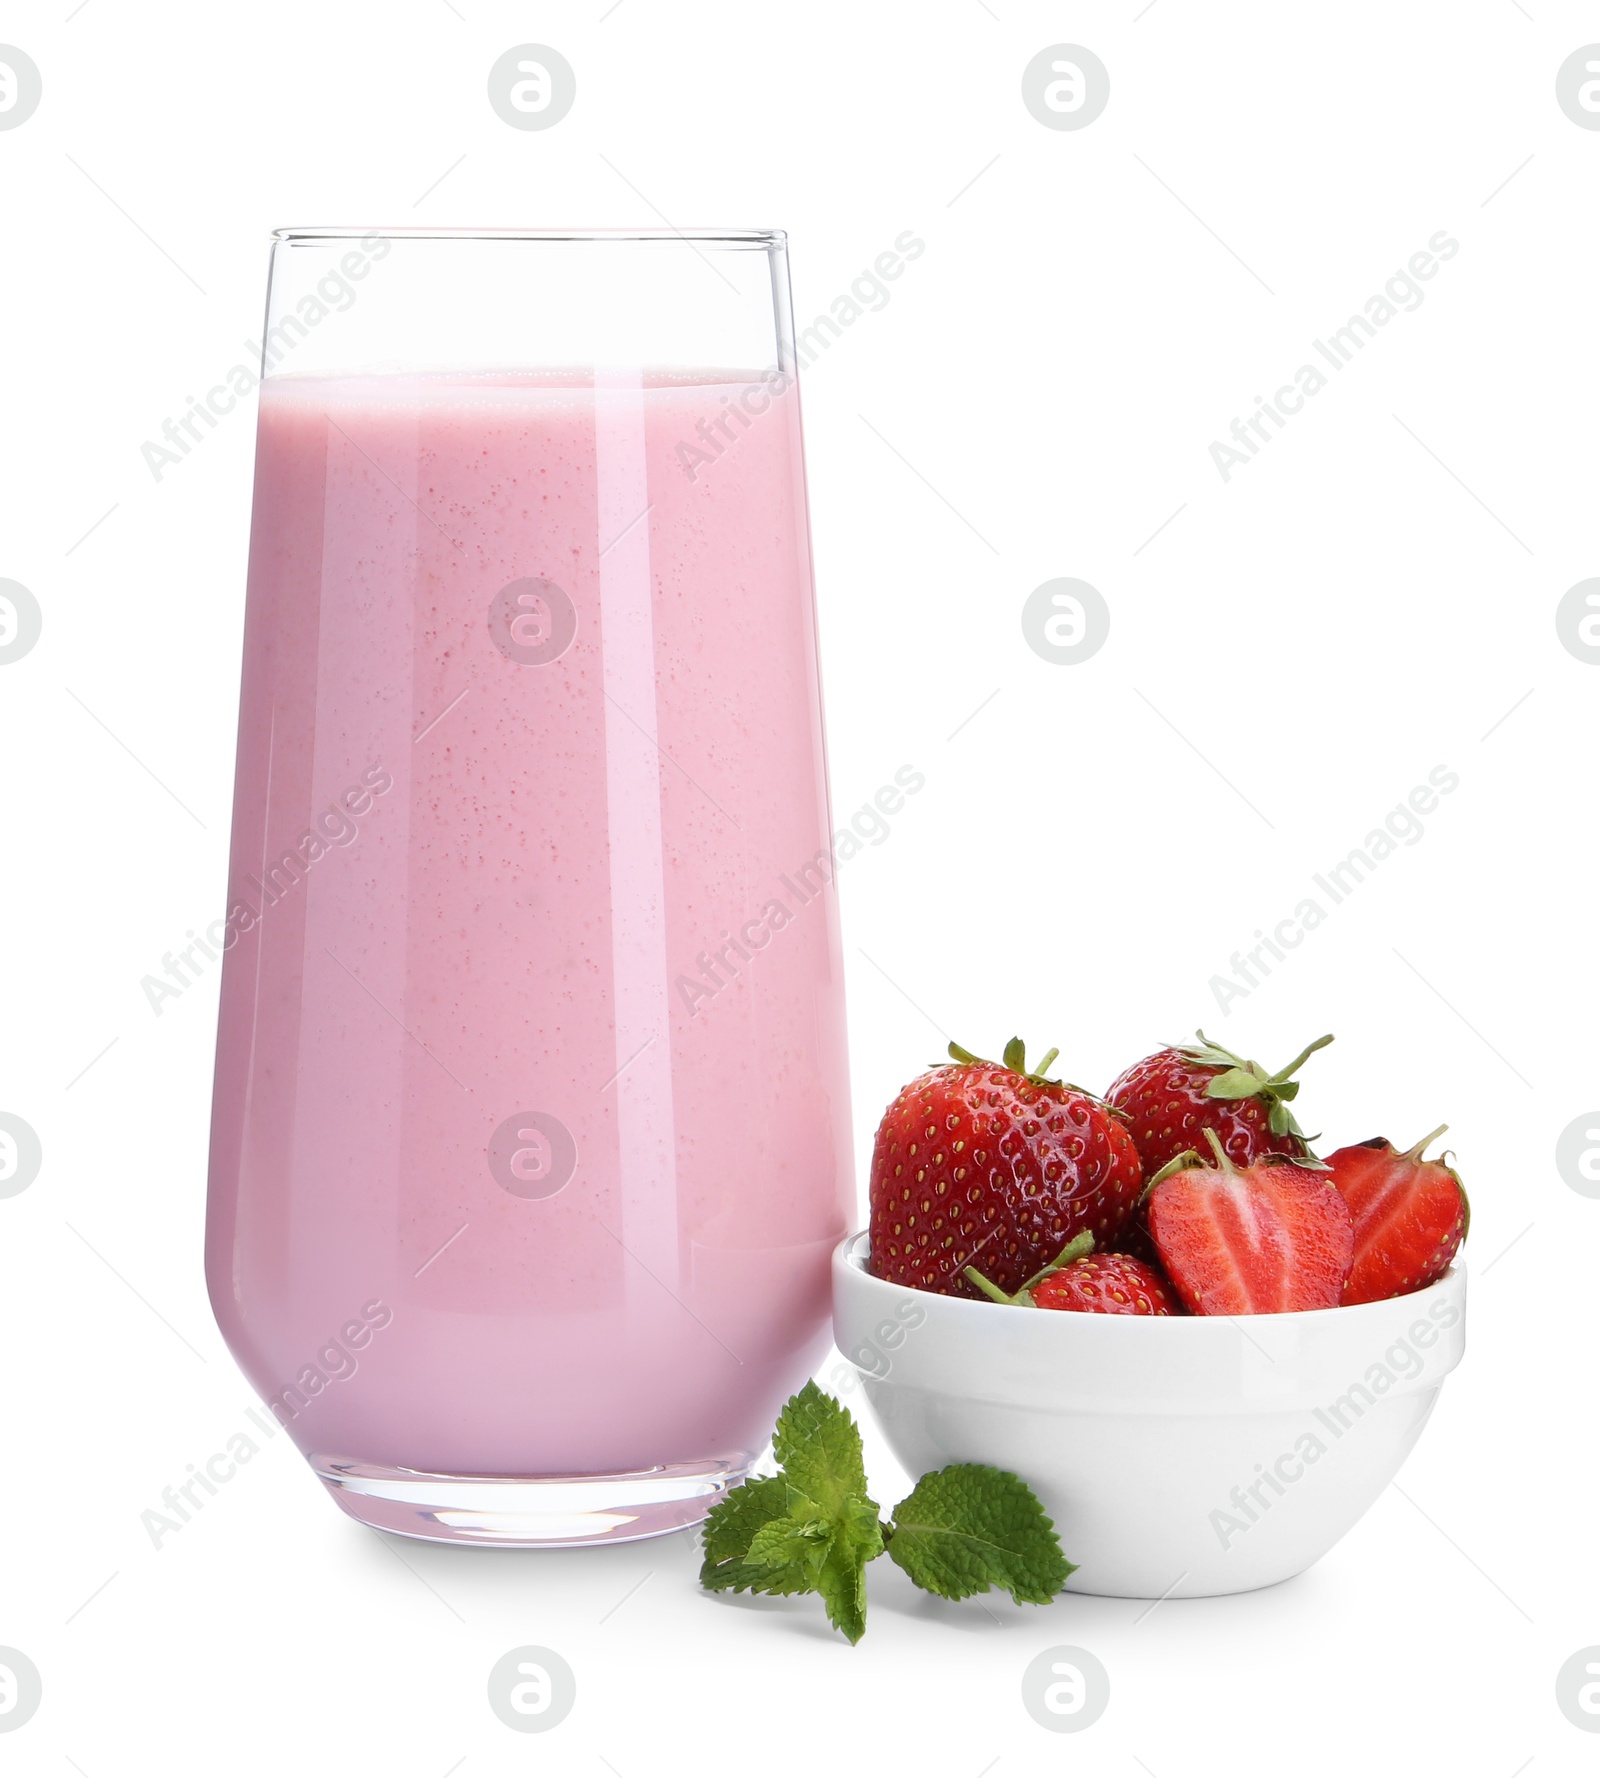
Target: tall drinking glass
530,1138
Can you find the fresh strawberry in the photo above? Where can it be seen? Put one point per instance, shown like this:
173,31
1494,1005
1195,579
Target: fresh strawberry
1410,1216
1112,1284
1171,1098
982,1159
1107,1284
1271,1237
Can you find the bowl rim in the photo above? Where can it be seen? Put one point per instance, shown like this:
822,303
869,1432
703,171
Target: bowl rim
852,1252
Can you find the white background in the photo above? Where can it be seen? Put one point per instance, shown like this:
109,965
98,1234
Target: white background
1288,657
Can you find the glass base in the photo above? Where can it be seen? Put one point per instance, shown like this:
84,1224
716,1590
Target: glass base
530,1512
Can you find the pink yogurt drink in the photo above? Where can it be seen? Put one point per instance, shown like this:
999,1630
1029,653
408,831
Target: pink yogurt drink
530,1139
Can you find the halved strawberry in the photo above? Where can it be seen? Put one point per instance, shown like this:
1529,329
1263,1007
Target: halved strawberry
1260,1240
1410,1216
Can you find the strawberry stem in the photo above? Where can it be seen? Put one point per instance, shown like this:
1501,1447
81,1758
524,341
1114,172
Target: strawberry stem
1310,1050
1221,1153
1415,1154
1079,1247
992,1291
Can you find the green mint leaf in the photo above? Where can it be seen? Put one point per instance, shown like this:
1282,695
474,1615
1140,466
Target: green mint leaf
788,1542
841,1579
758,1577
819,1447
740,1514
968,1527
733,1525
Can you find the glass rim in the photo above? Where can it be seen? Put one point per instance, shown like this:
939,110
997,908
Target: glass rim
691,237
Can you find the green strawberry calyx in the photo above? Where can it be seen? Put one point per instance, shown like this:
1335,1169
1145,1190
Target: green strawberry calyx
1015,1057
1079,1247
1237,1078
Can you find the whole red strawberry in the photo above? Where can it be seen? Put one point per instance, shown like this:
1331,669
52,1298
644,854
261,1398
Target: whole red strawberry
982,1160
1258,1240
1108,1284
1104,1284
1172,1098
1410,1216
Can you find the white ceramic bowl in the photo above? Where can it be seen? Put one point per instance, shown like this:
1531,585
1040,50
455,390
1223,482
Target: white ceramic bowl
1179,1456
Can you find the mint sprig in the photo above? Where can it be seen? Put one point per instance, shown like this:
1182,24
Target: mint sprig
813,1528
